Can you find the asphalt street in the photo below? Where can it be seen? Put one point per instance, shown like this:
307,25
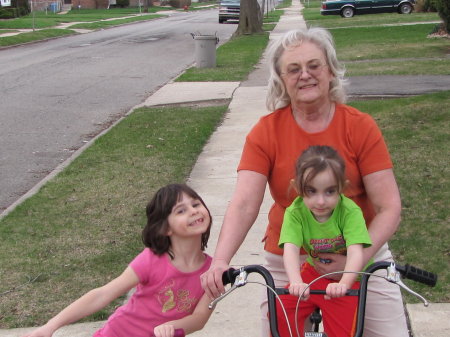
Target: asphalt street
55,102
59,94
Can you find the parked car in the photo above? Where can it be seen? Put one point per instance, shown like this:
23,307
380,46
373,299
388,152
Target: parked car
348,8
229,10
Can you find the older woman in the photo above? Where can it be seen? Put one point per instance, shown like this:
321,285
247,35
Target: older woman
306,95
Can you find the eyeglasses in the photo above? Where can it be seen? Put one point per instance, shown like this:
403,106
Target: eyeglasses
294,72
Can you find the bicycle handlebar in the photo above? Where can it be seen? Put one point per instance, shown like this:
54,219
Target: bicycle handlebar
407,271
238,278
285,291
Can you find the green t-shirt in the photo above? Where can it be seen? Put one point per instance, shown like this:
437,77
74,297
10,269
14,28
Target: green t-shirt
345,227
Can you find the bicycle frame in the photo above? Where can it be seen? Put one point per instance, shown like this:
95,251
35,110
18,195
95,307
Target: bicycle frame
239,279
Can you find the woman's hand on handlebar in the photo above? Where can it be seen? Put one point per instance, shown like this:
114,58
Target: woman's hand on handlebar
299,289
328,263
212,279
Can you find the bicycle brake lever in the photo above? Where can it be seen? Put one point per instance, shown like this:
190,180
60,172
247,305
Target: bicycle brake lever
393,276
240,281
213,303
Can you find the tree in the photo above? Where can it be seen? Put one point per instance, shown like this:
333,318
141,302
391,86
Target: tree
443,8
147,4
250,18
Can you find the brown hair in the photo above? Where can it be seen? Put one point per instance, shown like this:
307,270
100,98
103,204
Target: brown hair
316,159
154,234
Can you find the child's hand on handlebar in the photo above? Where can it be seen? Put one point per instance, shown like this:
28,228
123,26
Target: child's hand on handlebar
335,290
164,330
299,289
212,279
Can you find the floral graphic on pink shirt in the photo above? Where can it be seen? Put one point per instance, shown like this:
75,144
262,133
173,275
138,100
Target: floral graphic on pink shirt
185,304
181,300
166,296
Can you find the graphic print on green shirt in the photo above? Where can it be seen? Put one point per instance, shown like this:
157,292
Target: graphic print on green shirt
345,227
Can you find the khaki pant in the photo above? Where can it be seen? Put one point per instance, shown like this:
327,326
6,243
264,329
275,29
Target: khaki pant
384,316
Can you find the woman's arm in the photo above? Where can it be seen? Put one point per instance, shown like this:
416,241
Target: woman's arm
89,303
383,193
239,217
191,323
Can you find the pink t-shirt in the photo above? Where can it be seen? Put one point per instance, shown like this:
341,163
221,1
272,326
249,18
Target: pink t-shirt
163,294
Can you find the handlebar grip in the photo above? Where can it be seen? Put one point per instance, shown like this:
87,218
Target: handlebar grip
420,275
177,333
349,292
229,276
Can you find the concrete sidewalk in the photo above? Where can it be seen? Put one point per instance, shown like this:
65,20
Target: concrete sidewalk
214,177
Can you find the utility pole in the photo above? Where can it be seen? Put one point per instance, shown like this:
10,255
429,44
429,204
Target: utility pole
32,13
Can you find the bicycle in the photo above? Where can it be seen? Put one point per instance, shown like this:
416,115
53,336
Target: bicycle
239,278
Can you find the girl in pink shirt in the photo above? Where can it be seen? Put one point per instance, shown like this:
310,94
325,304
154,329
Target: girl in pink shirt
166,275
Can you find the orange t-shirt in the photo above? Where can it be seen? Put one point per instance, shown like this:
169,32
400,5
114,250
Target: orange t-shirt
276,141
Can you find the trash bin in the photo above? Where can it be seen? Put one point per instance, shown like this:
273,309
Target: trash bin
205,50
53,7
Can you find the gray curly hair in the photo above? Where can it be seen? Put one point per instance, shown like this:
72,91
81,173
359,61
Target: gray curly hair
277,96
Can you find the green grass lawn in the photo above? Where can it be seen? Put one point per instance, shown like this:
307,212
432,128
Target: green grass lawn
83,227
390,43
37,35
49,19
402,50
111,23
235,59
44,23
416,130
314,18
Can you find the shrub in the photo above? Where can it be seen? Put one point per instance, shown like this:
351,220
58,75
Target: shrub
123,3
6,13
425,6
18,8
179,3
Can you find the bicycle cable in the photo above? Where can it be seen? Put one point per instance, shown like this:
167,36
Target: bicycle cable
320,277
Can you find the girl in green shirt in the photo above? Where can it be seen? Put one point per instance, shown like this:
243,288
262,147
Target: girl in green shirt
322,220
